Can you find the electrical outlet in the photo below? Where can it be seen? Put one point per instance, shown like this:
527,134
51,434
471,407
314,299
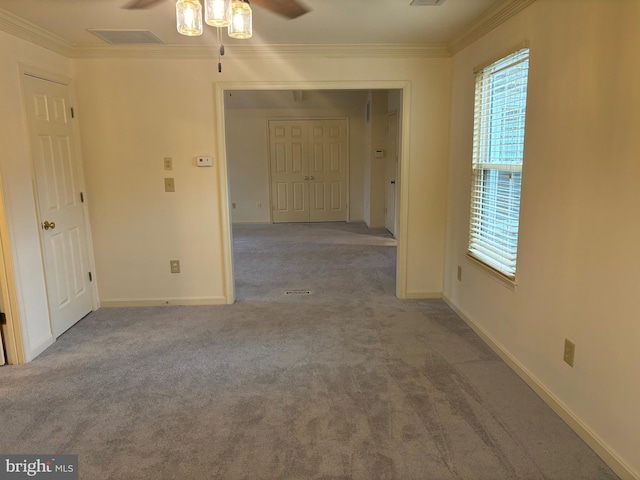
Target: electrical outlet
169,185
233,205
259,204
569,351
168,163
459,273
175,266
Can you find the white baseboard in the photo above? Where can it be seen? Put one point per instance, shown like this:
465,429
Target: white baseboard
251,223
420,295
158,302
618,465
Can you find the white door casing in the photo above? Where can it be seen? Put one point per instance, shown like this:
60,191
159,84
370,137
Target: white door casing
309,170
391,175
57,182
2,359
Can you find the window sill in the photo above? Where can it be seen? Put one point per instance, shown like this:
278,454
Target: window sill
492,273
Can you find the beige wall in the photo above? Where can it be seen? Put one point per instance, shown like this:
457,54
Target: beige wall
375,138
136,112
378,126
15,170
248,158
578,265
133,114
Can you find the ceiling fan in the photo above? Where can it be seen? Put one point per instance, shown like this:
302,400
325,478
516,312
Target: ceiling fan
286,8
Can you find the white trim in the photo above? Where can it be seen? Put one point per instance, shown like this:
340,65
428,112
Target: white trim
262,51
486,22
491,273
162,302
12,331
251,223
617,464
30,32
402,195
422,295
524,44
225,204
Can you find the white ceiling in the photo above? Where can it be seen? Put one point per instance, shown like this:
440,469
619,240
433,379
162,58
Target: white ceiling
329,22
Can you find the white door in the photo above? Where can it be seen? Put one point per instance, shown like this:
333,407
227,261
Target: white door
392,170
288,148
309,170
57,171
328,170
2,358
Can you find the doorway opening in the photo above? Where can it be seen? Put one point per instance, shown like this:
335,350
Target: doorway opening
244,113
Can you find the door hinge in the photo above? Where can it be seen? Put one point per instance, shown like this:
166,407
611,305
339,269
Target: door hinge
90,277
3,319
73,113
81,197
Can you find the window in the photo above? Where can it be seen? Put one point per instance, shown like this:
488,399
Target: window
498,146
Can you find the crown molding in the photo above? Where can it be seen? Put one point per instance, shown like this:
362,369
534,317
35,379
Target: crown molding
489,20
21,28
486,22
237,51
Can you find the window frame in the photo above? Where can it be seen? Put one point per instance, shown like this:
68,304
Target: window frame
498,151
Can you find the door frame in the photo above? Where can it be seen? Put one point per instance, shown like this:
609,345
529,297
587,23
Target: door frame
224,200
27,70
12,331
306,119
395,154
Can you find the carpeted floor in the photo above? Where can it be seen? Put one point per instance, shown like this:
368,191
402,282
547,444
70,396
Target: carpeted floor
346,382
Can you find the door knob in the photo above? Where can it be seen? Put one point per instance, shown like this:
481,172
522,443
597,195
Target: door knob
312,177
306,177
46,225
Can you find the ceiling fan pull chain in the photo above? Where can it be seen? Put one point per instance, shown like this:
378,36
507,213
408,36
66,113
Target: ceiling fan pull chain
220,50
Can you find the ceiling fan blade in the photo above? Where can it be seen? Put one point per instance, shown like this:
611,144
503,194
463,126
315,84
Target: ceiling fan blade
141,4
286,8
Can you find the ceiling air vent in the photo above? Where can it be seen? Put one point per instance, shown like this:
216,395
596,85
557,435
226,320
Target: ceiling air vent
427,3
126,37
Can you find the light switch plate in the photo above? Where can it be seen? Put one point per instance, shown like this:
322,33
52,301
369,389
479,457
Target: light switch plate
204,161
169,185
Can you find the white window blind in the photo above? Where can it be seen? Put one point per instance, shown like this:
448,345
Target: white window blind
498,146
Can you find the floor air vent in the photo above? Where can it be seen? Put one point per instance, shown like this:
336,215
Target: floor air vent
297,292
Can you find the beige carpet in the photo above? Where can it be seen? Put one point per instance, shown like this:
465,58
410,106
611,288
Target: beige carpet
345,382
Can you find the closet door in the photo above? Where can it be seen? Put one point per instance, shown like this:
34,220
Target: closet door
328,178
289,161
309,170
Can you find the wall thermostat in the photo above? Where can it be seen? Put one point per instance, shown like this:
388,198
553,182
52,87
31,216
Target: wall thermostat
204,161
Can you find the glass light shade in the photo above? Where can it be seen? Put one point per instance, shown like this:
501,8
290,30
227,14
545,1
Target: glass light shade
189,17
240,26
217,12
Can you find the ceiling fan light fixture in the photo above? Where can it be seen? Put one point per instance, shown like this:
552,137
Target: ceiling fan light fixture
240,26
217,13
189,17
